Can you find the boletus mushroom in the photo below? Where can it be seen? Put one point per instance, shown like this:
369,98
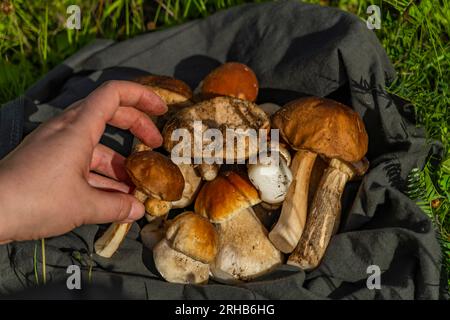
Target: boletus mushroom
272,179
192,183
325,212
190,244
231,79
153,232
156,179
244,252
313,126
226,114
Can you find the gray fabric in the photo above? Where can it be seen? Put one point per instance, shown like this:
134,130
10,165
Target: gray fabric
295,49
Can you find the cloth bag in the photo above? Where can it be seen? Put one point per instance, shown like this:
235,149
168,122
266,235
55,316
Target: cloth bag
295,49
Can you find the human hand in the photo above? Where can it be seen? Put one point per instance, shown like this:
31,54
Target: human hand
60,177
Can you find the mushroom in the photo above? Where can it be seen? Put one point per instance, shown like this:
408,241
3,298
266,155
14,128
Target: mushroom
153,232
244,252
224,114
174,92
231,79
273,179
192,183
269,108
190,244
312,126
324,216
157,178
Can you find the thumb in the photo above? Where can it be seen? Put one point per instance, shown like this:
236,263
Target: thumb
113,206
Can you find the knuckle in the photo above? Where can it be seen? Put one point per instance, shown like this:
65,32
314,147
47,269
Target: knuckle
123,207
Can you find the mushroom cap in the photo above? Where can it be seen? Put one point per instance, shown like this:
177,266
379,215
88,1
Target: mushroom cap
194,236
323,126
155,174
220,113
177,267
169,89
225,196
231,79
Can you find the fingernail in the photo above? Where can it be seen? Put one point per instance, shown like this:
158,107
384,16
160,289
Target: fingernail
160,104
136,212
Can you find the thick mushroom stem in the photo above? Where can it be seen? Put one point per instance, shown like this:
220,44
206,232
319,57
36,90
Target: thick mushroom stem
110,241
289,228
245,252
156,207
324,210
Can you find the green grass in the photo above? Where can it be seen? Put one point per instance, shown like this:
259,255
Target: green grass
415,35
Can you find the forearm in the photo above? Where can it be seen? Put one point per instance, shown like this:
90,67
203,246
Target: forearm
9,201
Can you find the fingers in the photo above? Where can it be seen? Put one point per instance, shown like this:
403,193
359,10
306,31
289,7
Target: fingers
113,94
103,104
108,163
101,182
139,124
107,206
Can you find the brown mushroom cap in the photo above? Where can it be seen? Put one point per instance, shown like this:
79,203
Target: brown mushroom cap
225,196
156,175
194,236
220,113
323,126
231,79
169,89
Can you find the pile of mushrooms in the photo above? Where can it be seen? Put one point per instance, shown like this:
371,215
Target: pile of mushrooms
185,253
240,221
245,251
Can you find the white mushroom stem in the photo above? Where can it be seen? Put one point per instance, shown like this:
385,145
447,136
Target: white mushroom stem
288,230
156,207
208,171
245,252
269,108
110,241
272,180
324,210
177,267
